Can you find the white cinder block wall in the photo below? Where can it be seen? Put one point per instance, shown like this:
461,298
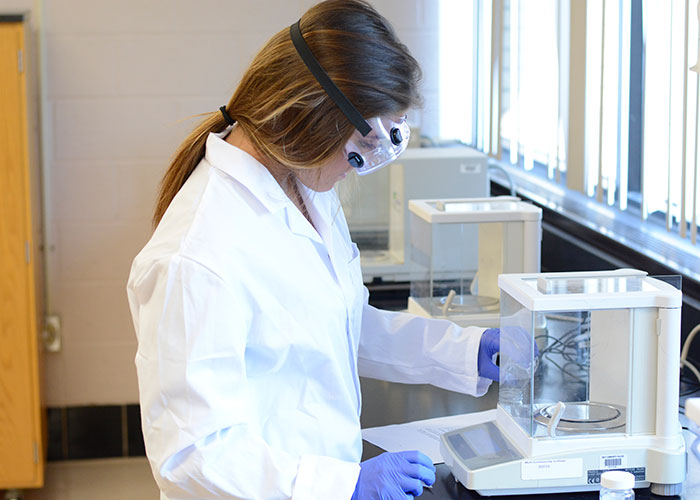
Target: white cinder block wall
121,76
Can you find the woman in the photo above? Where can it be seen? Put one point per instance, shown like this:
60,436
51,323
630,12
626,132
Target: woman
251,316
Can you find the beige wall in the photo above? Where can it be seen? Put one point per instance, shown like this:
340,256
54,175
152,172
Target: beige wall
119,78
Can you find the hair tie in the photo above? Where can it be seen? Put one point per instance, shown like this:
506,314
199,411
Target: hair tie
227,117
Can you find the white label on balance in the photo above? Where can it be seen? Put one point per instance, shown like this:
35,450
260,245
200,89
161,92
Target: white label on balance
551,469
613,461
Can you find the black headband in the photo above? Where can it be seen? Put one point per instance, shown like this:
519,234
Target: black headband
350,111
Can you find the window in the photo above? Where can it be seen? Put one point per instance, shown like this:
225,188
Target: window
531,119
596,96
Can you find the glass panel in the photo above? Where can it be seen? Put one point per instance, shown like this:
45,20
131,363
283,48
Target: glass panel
562,369
674,280
421,254
565,373
446,259
581,377
516,361
454,268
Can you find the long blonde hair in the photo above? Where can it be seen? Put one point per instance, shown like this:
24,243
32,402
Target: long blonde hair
285,112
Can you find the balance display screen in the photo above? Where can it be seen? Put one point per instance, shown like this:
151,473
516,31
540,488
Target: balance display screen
481,445
481,442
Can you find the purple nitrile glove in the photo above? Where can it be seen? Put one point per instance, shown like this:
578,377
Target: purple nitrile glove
489,346
394,476
519,348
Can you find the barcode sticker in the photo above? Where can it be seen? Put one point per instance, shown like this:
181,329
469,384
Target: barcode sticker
613,461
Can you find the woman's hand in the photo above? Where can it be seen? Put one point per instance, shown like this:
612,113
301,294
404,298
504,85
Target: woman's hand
394,476
519,342
489,346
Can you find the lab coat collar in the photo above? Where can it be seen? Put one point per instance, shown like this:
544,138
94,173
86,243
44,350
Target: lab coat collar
242,167
323,208
259,181
299,225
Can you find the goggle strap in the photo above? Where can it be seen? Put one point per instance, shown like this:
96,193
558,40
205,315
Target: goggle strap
350,111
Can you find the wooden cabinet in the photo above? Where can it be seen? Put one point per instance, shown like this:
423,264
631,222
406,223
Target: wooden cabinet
21,443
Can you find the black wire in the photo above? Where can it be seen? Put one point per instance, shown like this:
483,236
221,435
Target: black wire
568,347
688,393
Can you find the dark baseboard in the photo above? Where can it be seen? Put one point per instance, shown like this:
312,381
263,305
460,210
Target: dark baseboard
82,432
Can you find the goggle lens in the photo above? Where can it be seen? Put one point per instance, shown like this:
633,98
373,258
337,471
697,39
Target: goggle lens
386,141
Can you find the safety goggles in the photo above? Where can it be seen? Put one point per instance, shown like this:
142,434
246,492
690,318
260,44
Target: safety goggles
376,141
382,145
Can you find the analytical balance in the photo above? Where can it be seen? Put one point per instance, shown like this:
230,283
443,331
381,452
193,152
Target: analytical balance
602,394
459,247
376,205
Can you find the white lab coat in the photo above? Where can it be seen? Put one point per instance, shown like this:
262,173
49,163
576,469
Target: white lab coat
252,327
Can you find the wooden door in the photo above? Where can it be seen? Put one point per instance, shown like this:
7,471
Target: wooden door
21,463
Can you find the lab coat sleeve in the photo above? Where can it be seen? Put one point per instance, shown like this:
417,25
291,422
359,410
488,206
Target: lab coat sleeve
402,347
201,436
